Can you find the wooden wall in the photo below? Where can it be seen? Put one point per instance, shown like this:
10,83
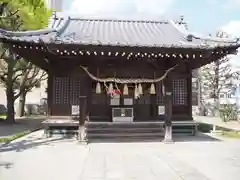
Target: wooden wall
65,88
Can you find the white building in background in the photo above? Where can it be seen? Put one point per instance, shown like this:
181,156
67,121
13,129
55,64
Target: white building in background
37,93
225,97
33,97
55,5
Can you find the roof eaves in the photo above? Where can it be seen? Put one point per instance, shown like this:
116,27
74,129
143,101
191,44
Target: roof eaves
63,25
26,33
215,39
59,29
184,46
186,33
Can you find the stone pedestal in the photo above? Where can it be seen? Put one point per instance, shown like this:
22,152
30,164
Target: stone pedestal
168,135
82,134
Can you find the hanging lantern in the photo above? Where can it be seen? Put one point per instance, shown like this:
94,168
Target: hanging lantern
136,93
125,89
140,90
110,88
152,89
98,88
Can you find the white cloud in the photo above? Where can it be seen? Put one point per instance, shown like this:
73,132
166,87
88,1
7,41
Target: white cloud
94,7
233,4
227,5
232,28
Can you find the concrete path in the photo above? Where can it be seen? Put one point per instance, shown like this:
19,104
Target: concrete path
35,157
233,125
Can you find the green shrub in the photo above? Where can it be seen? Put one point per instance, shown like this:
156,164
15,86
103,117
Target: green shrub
228,112
205,128
13,137
231,134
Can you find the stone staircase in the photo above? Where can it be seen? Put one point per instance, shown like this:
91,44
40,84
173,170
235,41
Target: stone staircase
123,131
143,131
113,131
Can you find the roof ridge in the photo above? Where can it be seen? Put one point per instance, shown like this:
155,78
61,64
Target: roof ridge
117,19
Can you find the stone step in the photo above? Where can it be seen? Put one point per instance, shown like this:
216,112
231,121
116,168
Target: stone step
124,130
132,131
133,134
104,131
124,126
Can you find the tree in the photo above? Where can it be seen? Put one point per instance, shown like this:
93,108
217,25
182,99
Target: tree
31,14
26,77
31,78
15,72
217,77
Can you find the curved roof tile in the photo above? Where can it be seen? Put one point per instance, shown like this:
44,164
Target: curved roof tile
115,32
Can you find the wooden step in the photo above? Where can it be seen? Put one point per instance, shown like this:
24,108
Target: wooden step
124,130
136,130
104,131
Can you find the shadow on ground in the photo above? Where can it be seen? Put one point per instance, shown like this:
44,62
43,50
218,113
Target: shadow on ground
6,165
35,140
22,124
30,143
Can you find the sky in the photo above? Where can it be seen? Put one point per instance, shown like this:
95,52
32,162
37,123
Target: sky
202,16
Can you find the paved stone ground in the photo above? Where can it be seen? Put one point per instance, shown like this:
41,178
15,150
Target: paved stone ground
34,157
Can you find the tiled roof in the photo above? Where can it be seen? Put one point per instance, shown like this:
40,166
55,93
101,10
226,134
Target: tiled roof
133,33
122,32
164,33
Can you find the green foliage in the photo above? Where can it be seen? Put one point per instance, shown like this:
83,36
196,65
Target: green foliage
205,128
231,134
16,73
13,137
218,76
25,75
228,112
33,14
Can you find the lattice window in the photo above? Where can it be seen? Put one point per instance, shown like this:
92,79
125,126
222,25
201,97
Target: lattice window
65,91
179,91
159,95
60,90
57,90
75,91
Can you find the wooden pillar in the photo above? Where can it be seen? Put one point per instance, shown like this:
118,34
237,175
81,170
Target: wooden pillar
189,95
168,109
153,105
49,93
82,118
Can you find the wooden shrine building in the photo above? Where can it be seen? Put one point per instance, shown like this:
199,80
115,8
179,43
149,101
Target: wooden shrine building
128,70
